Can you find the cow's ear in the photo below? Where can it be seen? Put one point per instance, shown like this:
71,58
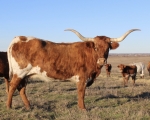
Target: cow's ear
114,45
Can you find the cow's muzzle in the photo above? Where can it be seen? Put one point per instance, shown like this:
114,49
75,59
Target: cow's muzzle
101,61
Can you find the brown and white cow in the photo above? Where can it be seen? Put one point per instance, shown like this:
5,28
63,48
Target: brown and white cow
4,69
108,69
80,62
148,67
128,71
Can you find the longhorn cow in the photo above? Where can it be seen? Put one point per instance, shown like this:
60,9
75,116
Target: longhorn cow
80,62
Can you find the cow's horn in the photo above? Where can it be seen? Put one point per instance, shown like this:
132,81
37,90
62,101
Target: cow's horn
124,36
80,36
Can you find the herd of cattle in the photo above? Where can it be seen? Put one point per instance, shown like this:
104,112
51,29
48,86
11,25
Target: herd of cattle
128,71
80,62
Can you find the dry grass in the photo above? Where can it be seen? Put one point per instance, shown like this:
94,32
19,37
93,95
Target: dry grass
106,99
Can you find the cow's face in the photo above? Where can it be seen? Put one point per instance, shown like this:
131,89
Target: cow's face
121,67
103,45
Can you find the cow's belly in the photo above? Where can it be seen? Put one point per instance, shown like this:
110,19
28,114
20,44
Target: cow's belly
38,77
36,74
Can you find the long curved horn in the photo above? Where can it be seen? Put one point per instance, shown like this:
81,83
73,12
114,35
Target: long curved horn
124,36
79,35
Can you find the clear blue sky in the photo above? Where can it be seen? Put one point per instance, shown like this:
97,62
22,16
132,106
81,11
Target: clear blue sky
47,19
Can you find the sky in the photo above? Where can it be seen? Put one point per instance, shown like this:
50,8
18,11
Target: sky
47,19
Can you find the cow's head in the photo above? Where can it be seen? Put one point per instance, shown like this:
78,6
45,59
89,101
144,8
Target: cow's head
103,43
121,67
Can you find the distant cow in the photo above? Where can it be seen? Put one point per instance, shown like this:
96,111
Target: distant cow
148,67
140,68
80,62
128,71
4,68
108,69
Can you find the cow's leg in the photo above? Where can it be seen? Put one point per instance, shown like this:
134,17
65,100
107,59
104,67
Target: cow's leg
141,74
109,74
127,79
133,79
124,81
21,88
81,92
7,85
13,85
91,80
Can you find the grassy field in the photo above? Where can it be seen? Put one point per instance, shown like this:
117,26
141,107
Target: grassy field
106,99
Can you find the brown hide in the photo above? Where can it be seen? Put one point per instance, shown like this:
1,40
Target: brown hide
4,68
128,71
148,68
108,69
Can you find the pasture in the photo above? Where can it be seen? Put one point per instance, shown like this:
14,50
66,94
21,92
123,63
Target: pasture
106,99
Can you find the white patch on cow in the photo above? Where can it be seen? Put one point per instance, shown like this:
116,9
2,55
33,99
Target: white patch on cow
9,51
74,78
132,74
17,39
101,61
30,38
38,77
42,76
37,71
16,68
